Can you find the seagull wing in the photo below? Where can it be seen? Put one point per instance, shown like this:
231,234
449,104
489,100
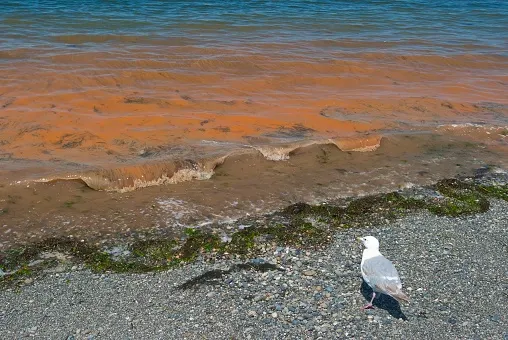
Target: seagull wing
381,275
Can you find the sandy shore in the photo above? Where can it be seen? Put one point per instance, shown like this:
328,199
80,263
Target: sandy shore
453,268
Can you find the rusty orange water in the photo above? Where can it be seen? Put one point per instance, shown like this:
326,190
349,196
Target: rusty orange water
98,109
260,128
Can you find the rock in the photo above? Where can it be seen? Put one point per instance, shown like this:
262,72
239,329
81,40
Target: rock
252,313
258,298
274,315
495,318
35,262
257,261
309,272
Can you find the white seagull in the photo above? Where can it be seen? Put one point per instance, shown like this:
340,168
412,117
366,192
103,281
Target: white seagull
379,272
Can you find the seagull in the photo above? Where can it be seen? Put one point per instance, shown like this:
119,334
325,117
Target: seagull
379,272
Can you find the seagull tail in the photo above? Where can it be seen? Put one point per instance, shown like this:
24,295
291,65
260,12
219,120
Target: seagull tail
401,297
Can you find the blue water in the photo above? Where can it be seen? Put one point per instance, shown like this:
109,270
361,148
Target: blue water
406,26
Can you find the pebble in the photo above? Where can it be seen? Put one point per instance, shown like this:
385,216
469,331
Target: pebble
309,272
258,298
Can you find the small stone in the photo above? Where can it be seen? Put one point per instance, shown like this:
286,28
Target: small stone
258,298
495,318
35,262
309,272
274,315
325,326
257,261
210,294
252,313
452,321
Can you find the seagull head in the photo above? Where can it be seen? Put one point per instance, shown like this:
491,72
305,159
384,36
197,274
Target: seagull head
370,242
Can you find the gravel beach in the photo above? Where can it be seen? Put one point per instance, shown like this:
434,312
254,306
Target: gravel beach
453,269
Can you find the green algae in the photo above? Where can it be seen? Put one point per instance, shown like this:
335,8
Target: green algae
495,191
103,262
461,198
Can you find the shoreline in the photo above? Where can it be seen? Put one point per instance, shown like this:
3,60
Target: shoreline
295,291
298,225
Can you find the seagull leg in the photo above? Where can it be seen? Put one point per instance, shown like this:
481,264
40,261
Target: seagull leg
369,305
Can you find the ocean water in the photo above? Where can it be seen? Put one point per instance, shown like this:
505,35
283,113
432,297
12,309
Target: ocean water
403,26
221,109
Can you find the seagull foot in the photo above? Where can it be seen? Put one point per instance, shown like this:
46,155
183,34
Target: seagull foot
368,306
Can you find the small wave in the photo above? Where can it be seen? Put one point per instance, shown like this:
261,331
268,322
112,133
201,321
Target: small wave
124,179
129,178
357,144
476,129
89,38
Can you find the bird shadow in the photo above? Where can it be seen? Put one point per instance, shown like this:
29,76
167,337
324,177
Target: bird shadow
383,301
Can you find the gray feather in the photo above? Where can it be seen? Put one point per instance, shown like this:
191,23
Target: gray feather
381,275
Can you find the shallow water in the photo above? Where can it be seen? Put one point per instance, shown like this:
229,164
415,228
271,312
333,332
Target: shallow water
124,95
